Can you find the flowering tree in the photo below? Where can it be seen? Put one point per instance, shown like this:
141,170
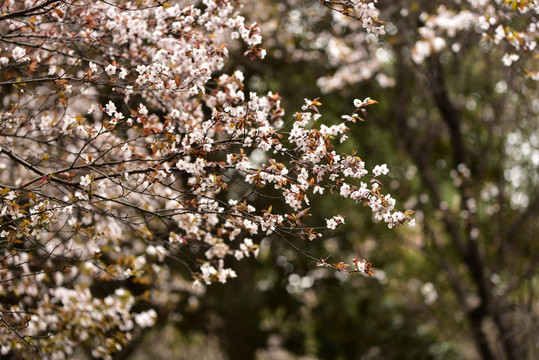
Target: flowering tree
460,83
124,145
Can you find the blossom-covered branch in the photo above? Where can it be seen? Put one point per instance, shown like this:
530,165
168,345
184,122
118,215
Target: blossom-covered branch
123,144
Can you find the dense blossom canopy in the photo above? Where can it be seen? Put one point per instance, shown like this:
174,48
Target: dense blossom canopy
127,144
123,144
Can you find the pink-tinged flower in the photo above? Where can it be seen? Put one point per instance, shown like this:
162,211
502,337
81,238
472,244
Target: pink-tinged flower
334,222
18,52
380,170
85,180
123,73
360,264
110,108
345,190
331,224
110,70
359,103
142,110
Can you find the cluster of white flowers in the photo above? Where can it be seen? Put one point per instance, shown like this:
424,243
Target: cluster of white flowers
368,14
210,274
18,52
493,20
334,222
93,181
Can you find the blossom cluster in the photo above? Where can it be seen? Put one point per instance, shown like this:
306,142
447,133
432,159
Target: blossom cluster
494,20
127,145
362,10
507,28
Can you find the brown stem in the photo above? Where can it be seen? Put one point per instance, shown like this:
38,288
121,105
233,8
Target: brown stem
29,11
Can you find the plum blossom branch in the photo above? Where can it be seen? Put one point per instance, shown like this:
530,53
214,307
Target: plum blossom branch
129,145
